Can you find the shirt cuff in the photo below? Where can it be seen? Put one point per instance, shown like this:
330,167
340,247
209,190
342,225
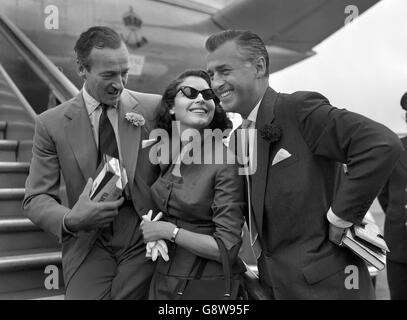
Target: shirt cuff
65,229
336,221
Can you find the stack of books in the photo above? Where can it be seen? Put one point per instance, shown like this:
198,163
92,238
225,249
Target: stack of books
368,243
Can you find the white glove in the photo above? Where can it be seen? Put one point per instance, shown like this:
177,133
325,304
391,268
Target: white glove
158,247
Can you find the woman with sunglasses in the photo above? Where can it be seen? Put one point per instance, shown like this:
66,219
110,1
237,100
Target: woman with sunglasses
199,201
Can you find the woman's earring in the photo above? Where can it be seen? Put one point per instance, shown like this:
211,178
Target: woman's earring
172,112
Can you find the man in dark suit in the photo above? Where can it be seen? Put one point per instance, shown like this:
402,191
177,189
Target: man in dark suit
294,209
103,253
393,200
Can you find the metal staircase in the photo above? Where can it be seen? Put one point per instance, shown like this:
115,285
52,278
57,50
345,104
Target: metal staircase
25,250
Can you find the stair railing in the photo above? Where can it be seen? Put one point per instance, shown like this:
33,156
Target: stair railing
61,87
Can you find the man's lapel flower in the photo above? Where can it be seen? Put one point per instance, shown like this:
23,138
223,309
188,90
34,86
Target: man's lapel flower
135,119
271,132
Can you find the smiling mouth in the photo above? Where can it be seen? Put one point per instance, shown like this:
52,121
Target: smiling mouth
198,110
113,92
225,94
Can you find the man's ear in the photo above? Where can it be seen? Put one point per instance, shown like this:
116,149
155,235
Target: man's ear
81,70
260,65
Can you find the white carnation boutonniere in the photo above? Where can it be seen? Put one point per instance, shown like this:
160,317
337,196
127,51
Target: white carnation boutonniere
135,119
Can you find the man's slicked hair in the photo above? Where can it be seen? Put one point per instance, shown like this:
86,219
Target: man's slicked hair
95,37
249,44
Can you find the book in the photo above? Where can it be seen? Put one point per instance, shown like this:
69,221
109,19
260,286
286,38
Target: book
372,254
370,232
367,242
110,182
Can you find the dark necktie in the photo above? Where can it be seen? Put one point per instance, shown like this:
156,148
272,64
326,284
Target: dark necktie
107,138
254,235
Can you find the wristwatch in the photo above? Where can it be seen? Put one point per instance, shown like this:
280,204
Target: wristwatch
174,234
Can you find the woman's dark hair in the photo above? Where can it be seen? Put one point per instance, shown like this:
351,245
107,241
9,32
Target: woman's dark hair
220,119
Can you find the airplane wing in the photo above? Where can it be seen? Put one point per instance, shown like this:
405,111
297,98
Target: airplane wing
203,6
290,28
290,24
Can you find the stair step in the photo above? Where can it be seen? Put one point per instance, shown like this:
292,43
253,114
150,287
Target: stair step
14,167
13,224
8,145
16,130
35,294
13,112
12,193
13,150
28,259
11,201
13,174
7,92
25,270
22,234
8,97
8,150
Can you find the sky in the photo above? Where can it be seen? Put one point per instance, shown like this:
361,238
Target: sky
362,67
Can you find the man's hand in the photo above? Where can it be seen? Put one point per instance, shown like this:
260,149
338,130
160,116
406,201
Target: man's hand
336,234
87,214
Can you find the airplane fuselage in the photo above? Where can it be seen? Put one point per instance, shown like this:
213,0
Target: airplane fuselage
159,47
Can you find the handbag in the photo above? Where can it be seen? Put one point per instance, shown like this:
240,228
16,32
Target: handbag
225,287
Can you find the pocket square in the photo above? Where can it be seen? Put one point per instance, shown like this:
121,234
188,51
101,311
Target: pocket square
148,142
281,155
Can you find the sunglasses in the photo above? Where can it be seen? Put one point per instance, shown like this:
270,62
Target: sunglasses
192,93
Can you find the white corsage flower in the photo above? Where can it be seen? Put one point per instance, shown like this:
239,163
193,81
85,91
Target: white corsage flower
135,119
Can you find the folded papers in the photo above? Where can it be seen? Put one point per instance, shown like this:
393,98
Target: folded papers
367,242
110,182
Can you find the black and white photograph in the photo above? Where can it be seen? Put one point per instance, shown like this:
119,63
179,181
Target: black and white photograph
227,152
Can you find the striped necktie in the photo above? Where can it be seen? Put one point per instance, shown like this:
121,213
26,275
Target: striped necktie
107,138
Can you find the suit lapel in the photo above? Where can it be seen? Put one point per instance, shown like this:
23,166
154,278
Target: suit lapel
259,178
80,136
129,135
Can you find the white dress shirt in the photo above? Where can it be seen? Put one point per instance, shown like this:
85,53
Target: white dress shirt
94,111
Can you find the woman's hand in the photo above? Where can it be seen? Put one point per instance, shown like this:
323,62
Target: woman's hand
157,230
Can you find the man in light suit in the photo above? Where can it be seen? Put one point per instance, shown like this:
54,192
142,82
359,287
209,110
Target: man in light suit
103,254
294,209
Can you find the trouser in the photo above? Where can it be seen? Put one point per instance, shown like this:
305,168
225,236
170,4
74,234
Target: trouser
397,280
116,266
